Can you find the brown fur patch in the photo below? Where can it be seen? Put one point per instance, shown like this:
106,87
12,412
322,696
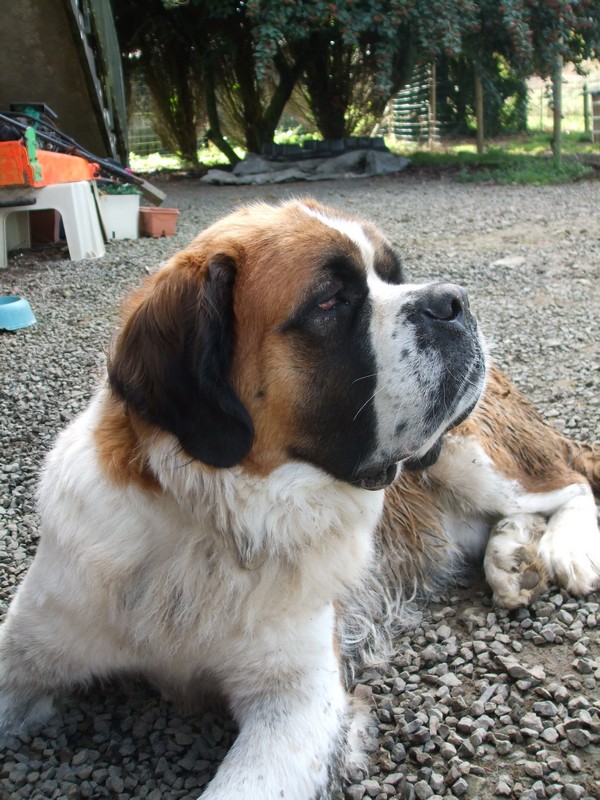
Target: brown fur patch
411,528
516,438
276,277
120,450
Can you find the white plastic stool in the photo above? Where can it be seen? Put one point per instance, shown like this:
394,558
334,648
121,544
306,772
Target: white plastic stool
74,202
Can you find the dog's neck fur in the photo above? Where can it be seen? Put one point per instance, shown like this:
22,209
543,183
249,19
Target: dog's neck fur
295,510
294,514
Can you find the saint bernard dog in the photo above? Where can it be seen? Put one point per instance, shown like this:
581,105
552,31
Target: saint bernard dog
290,441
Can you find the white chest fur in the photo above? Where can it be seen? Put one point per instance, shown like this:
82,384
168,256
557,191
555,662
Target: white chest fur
216,555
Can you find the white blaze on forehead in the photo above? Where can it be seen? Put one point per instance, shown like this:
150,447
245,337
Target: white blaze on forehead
350,228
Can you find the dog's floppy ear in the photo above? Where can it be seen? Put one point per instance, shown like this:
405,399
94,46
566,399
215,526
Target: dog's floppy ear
172,361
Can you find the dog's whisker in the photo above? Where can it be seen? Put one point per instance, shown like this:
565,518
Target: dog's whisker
369,400
365,377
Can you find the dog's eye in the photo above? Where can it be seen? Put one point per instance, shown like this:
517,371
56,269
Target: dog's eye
332,302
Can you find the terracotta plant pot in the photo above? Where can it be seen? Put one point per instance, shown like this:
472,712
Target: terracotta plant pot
158,221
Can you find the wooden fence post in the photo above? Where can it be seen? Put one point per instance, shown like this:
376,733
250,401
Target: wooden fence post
586,108
432,105
557,111
479,110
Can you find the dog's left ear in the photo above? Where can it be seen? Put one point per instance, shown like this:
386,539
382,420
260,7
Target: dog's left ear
172,360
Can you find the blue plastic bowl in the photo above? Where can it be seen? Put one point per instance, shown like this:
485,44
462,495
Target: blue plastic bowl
15,313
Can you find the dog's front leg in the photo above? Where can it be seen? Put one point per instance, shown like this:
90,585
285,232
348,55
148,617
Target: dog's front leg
296,721
554,537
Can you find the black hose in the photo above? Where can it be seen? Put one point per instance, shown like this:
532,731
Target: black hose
71,147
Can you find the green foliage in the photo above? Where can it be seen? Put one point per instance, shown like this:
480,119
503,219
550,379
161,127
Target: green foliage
296,135
248,56
505,97
115,187
531,34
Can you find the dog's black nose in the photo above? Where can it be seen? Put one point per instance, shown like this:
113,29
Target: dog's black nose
444,302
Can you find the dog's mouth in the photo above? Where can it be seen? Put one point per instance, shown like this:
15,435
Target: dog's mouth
428,459
378,479
382,478
383,475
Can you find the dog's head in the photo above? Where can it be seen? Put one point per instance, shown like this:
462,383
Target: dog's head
286,333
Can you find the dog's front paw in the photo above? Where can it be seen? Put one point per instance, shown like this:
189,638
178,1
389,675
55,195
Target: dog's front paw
22,702
570,548
513,568
19,711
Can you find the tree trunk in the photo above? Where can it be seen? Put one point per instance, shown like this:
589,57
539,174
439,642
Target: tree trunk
214,131
288,78
260,118
327,82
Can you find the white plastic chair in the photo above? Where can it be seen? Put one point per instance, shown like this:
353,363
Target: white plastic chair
74,202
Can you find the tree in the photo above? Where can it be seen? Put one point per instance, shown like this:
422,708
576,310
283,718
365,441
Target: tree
167,48
350,58
237,62
510,40
361,54
348,80
505,95
253,71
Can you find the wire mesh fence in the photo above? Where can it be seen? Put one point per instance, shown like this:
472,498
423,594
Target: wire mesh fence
575,105
143,138
411,115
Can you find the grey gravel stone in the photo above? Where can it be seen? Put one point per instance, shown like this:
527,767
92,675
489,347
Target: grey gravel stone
423,790
372,788
355,792
574,763
578,737
545,708
533,769
460,787
573,791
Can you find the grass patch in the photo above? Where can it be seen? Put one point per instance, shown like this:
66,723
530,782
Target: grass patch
294,136
540,143
533,170
525,159
521,159
154,162
209,156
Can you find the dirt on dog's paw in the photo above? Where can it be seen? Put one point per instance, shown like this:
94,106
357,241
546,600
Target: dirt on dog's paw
513,568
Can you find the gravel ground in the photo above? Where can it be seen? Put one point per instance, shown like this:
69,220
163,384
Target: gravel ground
478,702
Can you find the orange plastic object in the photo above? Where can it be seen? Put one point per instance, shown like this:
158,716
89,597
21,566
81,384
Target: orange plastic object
15,169
158,222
